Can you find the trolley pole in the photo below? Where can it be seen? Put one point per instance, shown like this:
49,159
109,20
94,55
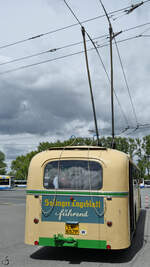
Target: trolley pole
111,36
90,85
112,86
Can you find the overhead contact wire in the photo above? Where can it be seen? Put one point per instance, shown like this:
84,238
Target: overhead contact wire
126,82
63,28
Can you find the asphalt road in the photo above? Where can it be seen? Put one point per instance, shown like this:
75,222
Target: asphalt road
12,197
14,253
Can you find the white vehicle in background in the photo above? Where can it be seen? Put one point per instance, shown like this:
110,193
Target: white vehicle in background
20,183
147,183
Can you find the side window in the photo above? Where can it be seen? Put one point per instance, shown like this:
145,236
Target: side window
73,174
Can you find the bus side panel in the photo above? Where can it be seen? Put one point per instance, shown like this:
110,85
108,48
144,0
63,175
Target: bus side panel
32,212
118,236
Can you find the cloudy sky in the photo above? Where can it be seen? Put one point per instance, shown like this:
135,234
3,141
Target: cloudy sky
50,100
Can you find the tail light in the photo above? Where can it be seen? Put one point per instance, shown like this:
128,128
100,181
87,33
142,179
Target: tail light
109,223
36,243
36,221
108,247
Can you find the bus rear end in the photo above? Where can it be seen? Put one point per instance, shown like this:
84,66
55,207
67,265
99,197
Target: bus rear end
72,209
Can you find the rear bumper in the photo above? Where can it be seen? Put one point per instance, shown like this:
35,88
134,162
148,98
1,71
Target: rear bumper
60,241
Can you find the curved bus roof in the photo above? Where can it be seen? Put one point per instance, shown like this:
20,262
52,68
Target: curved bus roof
114,164
88,152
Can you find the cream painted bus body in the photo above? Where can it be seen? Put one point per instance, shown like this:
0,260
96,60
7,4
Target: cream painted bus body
88,218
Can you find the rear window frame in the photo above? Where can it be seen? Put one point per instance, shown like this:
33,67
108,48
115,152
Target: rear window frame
72,189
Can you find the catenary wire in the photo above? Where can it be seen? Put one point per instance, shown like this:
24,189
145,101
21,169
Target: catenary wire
65,56
126,82
57,30
48,51
74,44
131,9
62,28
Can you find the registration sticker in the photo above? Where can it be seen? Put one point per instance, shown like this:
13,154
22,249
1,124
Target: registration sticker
71,229
83,232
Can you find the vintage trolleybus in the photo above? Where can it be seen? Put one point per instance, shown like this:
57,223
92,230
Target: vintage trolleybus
84,197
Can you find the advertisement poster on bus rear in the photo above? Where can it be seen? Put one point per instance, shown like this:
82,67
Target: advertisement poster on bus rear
84,209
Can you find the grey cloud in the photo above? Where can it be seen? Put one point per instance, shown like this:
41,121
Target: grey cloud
13,151
53,108
39,111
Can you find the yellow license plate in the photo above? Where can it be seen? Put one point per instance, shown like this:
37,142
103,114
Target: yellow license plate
72,229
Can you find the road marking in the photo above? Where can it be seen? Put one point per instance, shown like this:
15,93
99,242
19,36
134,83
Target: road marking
6,203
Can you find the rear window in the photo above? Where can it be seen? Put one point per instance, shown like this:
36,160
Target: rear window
73,174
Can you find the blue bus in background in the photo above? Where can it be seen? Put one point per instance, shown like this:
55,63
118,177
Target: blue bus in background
6,182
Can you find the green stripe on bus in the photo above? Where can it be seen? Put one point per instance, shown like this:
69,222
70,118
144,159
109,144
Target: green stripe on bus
80,243
43,192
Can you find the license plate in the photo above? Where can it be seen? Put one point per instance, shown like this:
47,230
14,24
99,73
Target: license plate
71,229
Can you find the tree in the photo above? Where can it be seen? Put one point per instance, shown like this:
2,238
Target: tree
138,149
122,144
132,147
146,155
73,141
2,163
19,166
142,166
